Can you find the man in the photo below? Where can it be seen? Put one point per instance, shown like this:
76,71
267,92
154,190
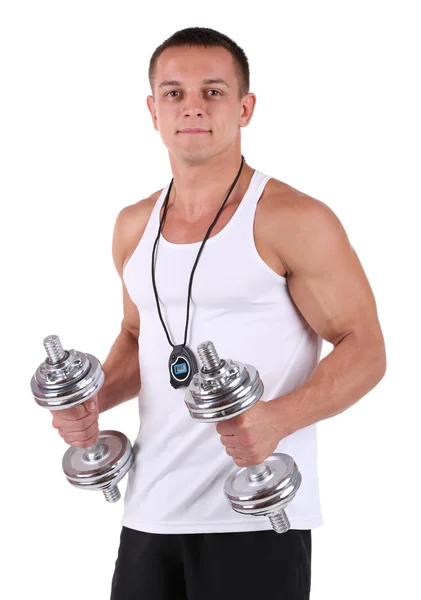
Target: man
228,254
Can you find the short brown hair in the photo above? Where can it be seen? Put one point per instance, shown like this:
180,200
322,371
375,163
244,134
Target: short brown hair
204,37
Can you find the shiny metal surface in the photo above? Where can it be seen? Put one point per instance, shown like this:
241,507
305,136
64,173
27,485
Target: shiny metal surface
105,472
266,496
223,389
67,383
227,391
64,380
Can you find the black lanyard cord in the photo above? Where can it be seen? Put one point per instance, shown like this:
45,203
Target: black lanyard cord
197,257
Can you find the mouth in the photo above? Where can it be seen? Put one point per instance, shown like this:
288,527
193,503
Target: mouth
193,131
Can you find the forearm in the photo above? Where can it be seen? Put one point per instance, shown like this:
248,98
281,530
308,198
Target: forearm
121,370
342,378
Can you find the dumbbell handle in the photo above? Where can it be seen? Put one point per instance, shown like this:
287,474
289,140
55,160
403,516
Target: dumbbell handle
96,451
258,472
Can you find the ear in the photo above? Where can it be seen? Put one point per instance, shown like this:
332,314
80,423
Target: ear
248,102
151,105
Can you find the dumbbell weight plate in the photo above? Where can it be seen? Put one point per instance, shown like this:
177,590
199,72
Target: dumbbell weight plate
68,383
104,472
229,392
268,496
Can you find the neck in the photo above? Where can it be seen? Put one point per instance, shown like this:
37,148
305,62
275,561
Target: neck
200,188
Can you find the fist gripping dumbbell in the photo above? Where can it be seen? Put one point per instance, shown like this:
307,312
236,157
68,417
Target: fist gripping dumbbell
66,379
223,389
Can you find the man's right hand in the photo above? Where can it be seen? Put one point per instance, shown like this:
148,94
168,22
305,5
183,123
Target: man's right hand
78,426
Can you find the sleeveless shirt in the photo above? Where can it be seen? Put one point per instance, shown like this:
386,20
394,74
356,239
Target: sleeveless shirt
240,304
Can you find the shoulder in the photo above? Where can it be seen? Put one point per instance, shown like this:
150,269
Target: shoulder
129,226
295,223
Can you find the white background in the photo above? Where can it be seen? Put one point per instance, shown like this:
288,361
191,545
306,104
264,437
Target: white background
337,117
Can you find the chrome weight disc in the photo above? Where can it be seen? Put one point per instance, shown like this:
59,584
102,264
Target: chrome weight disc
67,383
268,494
102,473
223,393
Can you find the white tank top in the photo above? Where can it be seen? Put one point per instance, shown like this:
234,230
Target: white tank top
240,304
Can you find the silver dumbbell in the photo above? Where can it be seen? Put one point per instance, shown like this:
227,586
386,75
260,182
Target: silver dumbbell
64,380
223,389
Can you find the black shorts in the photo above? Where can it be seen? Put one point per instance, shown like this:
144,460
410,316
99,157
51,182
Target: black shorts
213,566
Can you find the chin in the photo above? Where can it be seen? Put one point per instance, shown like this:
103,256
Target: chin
193,155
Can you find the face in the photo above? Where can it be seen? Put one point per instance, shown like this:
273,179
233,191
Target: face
196,106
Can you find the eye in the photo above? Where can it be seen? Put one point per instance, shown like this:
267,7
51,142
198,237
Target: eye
176,93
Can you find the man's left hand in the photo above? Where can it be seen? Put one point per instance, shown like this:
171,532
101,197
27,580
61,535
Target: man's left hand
250,438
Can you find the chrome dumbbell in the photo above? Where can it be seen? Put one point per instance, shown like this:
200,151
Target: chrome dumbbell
66,379
223,389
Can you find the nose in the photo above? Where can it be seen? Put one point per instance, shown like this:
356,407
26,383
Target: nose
191,111
193,105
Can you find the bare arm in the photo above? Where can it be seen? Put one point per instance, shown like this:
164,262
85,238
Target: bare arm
121,368
328,284
122,373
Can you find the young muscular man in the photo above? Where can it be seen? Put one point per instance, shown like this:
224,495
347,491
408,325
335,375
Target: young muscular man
276,276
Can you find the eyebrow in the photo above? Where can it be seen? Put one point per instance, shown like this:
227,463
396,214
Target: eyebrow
209,81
